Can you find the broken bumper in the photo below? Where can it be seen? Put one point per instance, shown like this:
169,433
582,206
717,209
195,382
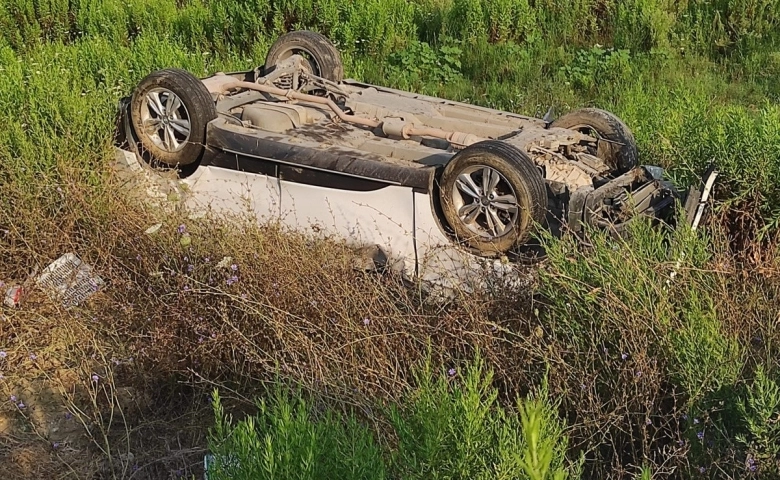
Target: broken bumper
640,192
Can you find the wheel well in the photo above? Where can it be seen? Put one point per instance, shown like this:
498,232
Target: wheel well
438,210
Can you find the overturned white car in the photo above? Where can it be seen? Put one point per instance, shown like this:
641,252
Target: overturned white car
420,177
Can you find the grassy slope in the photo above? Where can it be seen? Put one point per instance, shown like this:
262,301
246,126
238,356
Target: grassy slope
695,84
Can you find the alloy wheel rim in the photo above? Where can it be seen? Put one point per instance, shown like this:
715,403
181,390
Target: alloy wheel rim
165,120
485,202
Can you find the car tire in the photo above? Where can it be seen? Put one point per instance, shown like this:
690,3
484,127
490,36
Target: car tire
619,150
474,214
169,111
323,57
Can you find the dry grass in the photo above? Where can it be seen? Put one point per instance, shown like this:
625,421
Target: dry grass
172,324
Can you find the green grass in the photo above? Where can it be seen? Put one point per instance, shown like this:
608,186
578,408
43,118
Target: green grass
696,82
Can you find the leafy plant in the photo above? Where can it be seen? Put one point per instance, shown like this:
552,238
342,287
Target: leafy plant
760,414
449,428
420,62
597,66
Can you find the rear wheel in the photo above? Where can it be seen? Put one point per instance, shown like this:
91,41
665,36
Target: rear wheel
169,111
616,145
492,194
321,57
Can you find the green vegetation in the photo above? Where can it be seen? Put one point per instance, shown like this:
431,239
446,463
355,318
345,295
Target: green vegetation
447,427
647,376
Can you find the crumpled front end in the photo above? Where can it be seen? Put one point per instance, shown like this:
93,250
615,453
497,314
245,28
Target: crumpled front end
640,192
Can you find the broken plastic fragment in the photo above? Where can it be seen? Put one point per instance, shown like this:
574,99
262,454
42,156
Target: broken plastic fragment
225,262
13,296
153,229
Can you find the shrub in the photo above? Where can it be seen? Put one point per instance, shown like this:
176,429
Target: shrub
448,428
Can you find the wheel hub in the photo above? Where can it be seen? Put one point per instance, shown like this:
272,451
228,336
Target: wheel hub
165,119
485,201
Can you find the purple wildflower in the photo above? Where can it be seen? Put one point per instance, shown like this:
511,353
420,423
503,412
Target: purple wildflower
13,398
684,416
366,321
3,354
234,267
190,268
56,445
21,405
232,280
186,288
638,374
702,469
95,378
33,356
138,257
451,371
624,356
68,415
700,435
182,228
207,259
648,422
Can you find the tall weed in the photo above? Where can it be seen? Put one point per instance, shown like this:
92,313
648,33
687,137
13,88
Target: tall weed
449,427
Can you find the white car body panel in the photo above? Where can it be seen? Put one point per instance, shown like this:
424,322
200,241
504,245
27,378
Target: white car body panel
398,220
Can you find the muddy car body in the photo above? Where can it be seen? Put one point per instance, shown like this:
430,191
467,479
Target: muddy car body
408,173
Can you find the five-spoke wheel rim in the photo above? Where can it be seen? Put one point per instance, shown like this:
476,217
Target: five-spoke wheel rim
165,120
485,201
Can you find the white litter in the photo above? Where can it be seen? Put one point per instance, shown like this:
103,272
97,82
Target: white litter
153,229
209,460
225,262
12,296
69,280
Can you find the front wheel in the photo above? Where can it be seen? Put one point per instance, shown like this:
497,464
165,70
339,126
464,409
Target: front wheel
321,58
616,144
169,111
492,194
